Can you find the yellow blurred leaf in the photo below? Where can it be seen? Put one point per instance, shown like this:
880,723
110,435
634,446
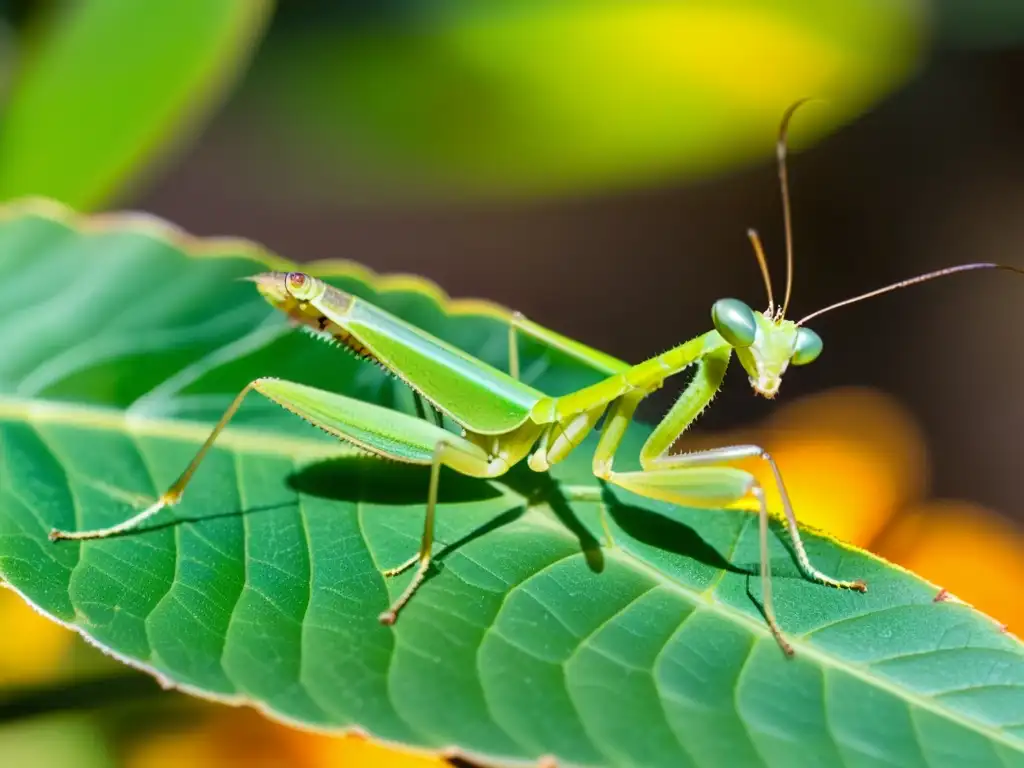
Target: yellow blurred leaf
526,98
330,752
966,549
31,647
242,737
55,741
756,57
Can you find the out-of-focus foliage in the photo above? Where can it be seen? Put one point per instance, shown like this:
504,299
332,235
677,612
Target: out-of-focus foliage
219,737
977,555
32,652
58,740
529,97
100,88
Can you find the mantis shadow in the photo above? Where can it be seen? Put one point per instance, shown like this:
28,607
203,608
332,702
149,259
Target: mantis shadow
541,488
665,533
363,478
352,478
199,519
373,480
369,479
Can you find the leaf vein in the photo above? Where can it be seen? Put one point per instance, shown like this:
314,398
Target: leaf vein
239,486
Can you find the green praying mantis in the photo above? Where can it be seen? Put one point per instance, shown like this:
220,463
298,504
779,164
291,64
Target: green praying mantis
503,420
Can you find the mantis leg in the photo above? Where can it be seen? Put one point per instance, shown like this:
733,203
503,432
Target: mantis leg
172,495
423,408
462,457
380,431
738,452
700,479
595,358
655,458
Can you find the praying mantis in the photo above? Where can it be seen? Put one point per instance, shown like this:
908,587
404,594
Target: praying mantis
504,421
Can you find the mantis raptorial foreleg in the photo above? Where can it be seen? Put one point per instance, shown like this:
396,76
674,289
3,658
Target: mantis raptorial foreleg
717,456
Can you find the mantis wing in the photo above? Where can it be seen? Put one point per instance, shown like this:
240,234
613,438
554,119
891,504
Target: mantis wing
481,398
478,396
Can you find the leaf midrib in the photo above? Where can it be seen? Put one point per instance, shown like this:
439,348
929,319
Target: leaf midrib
252,440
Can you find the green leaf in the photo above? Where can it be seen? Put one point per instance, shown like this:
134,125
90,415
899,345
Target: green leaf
108,85
264,585
523,97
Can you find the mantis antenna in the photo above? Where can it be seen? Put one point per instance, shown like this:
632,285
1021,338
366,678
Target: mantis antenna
780,153
755,241
909,282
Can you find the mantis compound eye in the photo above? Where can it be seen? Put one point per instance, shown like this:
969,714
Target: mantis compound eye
300,285
807,348
734,320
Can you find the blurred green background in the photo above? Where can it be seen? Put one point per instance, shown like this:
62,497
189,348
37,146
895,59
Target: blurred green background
594,164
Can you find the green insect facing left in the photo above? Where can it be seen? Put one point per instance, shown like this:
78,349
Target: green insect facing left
504,421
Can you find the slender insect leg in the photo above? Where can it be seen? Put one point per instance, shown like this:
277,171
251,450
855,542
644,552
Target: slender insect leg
620,413
655,453
736,453
766,576
513,347
173,495
423,407
378,430
700,479
467,459
703,479
706,381
710,486
593,358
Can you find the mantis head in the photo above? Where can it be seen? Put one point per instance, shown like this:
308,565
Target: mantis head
765,344
293,293
289,292
281,288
